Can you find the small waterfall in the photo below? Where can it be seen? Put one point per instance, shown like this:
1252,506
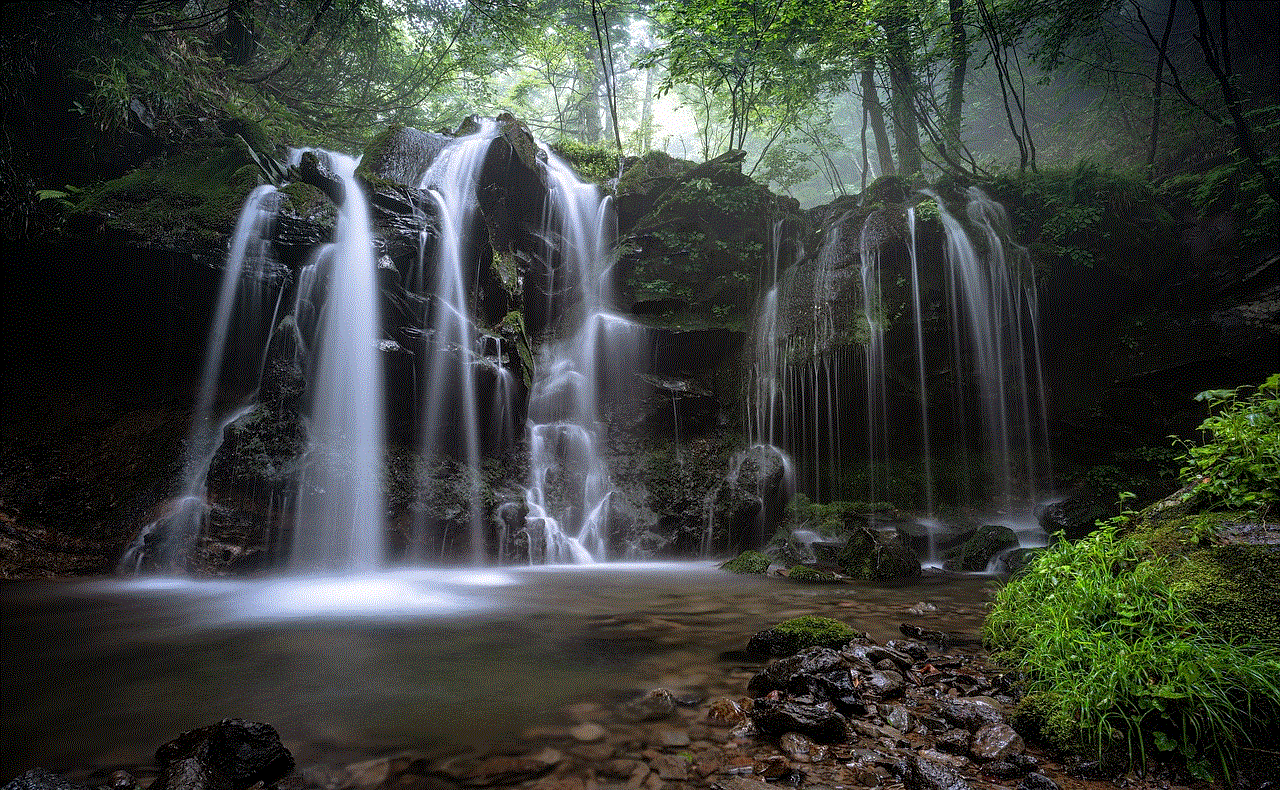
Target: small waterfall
808,366
450,403
994,315
339,525
873,314
570,484
232,349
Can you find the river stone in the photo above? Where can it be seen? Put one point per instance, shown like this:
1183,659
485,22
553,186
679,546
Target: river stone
500,769
922,774
953,741
883,684
995,742
652,706
970,714
670,767
587,733
782,673
800,748
1002,770
898,717
40,779
232,753
1037,781
774,718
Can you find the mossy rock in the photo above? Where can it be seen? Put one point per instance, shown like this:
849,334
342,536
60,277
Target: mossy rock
886,189
877,556
651,168
187,202
307,202
400,155
976,552
800,633
747,562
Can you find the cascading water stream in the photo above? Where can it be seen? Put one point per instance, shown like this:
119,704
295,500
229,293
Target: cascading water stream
167,541
339,523
450,394
570,484
994,313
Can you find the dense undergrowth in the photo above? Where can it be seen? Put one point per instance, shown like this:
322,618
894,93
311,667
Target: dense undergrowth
1121,649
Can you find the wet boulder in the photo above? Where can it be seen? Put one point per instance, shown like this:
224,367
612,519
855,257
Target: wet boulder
40,779
919,773
995,742
977,552
775,717
230,755
792,636
971,714
401,154
877,555
750,499
783,673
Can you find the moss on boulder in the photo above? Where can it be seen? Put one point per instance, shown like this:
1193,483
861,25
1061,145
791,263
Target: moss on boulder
1225,566
747,562
799,633
186,202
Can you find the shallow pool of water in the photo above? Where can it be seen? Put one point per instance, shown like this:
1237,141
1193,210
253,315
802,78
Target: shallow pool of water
102,672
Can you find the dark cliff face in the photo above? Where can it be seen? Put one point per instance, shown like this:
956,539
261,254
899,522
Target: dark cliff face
109,307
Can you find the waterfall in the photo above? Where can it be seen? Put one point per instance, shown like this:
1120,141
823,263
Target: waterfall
570,483
232,349
339,524
861,345
994,314
450,403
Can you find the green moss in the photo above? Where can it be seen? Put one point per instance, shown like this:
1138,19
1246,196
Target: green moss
190,198
375,153
800,633
652,165
305,200
747,562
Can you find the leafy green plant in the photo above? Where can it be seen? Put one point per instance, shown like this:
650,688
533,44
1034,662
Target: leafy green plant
1113,659
1237,464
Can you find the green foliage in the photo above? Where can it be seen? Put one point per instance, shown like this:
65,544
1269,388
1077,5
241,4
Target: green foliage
1235,187
595,163
1237,464
1112,656
1089,215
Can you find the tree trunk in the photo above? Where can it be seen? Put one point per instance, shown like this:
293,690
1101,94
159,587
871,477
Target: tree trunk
239,39
902,82
959,65
1157,89
875,113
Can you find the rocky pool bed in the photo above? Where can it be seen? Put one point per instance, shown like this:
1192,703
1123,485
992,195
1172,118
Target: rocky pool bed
861,686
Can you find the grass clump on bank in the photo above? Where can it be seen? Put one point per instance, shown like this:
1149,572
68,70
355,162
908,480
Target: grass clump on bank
1114,659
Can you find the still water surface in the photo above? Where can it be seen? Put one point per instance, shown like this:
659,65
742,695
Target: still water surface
101,672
